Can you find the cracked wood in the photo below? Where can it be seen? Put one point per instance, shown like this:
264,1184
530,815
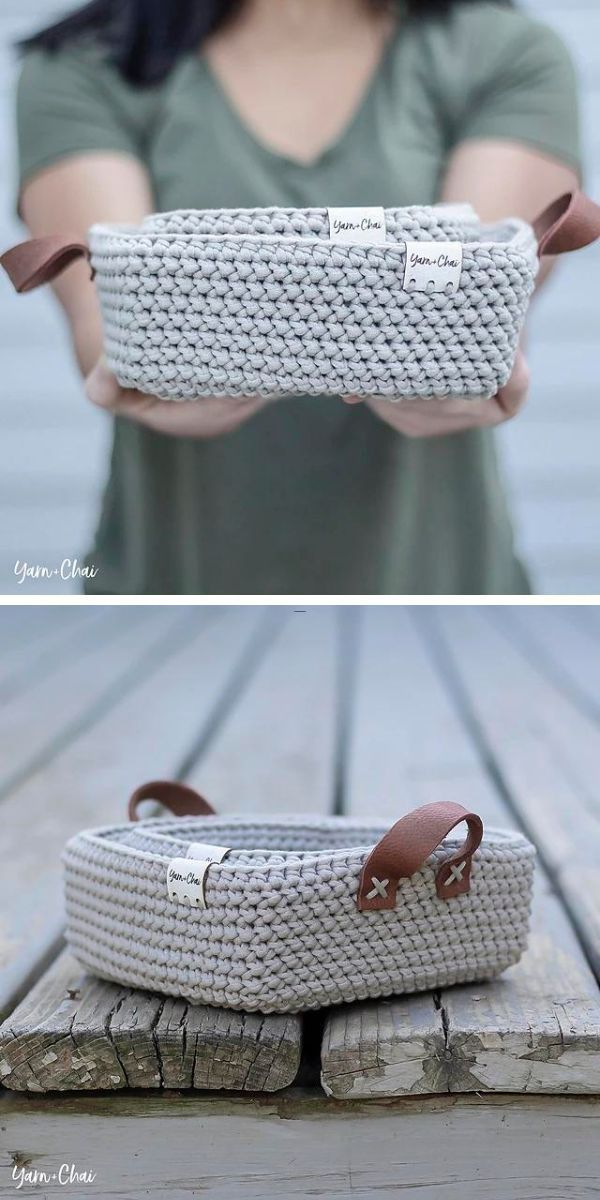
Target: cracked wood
75,1033
297,1144
176,677
537,1027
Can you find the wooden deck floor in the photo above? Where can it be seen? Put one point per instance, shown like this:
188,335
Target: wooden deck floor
53,449
323,711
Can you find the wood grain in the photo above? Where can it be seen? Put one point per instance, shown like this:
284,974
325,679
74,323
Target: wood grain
536,1028
56,708
73,1033
34,645
404,733
543,748
276,750
298,1144
410,738
148,732
560,646
111,1037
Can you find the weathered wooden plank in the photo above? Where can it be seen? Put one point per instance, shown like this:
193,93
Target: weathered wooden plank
545,750
276,750
295,1144
74,1033
35,639
391,1047
125,1039
560,645
149,731
402,727
535,1028
587,616
16,620
57,707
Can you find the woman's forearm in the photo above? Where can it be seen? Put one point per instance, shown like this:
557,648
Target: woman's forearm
69,197
87,337
506,179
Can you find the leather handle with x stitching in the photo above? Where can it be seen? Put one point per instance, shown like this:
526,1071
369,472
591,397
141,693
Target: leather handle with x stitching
405,848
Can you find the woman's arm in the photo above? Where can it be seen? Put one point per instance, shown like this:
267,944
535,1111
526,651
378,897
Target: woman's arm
506,179
68,197
500,179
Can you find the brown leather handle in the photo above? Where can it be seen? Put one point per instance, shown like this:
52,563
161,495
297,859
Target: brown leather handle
406,847
567,224
40,260
180,799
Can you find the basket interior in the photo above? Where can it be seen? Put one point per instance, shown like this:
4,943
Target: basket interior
259,841
444,222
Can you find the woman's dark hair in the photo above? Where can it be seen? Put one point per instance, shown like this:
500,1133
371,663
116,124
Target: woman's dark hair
146,37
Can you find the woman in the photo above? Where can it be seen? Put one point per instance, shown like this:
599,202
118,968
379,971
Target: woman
135,105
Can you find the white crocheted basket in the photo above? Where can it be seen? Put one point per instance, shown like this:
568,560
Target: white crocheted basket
396,302
262,302
287,914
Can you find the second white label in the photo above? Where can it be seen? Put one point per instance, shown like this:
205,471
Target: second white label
433,266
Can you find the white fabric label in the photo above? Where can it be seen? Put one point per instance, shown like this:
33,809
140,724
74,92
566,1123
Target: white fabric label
433,266
186,876
363,225
206,850
185,881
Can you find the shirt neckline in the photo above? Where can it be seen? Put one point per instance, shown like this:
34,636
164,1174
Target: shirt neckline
357,116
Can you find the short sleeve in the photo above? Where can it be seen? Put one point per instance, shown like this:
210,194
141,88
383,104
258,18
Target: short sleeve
522,83
69,102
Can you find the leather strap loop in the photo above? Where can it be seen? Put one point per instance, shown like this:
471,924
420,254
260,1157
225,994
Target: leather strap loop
40,260
180,799
405,848
567,224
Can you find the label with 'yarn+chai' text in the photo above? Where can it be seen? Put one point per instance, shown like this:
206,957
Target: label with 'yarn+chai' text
433,266
186,877
357,225
185,881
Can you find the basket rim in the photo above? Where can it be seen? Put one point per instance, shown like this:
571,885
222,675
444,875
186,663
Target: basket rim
494,838
517,231
522,242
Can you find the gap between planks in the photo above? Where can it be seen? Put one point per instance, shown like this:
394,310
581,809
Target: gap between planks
537,1028
72,1032
146,733
542,749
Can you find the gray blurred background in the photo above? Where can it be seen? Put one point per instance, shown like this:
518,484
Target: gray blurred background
54,446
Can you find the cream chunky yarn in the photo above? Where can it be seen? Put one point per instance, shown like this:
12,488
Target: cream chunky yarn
261,302
281,930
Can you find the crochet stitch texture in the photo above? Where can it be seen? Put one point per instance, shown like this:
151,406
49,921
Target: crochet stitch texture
281,931
260,302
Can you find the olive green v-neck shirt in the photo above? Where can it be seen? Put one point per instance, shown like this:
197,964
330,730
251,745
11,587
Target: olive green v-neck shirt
311,495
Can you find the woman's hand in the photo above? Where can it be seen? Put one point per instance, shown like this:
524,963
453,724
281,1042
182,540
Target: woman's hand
453,414
207,418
